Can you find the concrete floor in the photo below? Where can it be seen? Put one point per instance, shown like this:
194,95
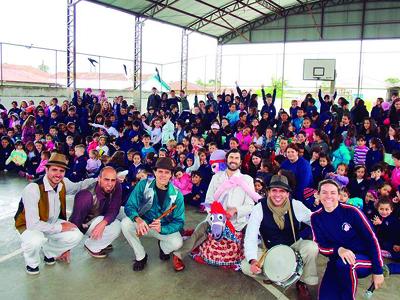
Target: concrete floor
113,278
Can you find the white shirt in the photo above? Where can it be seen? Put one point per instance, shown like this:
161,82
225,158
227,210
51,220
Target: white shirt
301,212
111,130
31,196
233,198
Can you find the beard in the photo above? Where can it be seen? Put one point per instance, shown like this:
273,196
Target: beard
233,166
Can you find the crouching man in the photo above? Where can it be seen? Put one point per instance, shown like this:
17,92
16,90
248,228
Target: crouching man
148,201
95,211
41,216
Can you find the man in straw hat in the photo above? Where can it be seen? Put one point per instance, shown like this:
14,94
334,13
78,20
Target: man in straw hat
277,219
150,199
41,216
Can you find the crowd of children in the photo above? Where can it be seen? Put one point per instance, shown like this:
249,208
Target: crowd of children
357,149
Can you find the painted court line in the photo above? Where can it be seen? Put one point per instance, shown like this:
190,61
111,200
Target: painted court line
18,251
273,290
11,255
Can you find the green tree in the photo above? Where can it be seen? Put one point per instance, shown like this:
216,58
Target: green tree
275,82
43,67
392,81
210,83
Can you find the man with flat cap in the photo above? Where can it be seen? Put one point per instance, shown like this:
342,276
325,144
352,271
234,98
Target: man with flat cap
277,219
41,216
148,201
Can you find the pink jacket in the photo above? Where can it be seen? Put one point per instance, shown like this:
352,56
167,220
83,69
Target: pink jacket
309,132
41,166
184,184
92,146
244,141
395,180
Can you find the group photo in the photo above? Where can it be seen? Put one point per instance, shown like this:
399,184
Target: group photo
239,187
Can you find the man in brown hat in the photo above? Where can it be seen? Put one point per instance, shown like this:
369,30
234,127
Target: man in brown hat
277,219
148,201
41,216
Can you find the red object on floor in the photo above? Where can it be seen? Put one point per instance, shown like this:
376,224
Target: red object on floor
187,232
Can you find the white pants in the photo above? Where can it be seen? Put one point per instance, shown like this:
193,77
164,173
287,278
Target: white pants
110,233
308,251
168,242
53,245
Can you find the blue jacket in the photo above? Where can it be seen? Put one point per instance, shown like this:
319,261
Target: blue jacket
346,226
145,194
302,171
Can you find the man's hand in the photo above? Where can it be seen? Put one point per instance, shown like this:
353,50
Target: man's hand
156,225
141,227
230,212
65,257
347,256
378,280
97,232
67,226
396,248
254,267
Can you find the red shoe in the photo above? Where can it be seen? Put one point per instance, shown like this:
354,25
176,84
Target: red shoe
178,263
302,291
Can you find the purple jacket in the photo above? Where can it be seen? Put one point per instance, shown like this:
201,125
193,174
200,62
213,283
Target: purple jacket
107,205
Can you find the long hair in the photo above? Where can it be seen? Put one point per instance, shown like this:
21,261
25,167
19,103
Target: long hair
29,121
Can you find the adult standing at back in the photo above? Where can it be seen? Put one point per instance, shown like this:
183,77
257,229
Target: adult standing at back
301,169
154,99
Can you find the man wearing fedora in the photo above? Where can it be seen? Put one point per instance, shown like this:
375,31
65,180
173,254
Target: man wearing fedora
148,201
277,219
41,216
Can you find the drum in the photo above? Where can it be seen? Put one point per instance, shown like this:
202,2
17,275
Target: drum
283,266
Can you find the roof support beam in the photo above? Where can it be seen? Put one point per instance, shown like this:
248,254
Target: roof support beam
247,3
217,14
272,6
188,14
184,59
157,7
137,59
295,10
71,44
221,10
218,69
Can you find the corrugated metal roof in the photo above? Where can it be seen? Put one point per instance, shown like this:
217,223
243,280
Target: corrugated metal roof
210,17
249,21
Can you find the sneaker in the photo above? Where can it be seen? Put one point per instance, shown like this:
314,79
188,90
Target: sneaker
302,291
163,256
100,254
49,261
32,271
178,263
139,265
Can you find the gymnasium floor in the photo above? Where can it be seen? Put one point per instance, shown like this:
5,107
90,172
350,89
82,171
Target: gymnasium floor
113,278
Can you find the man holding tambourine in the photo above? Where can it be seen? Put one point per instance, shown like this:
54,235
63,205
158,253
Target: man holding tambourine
277,219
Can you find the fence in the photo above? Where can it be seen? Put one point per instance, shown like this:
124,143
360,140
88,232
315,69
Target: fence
363,69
